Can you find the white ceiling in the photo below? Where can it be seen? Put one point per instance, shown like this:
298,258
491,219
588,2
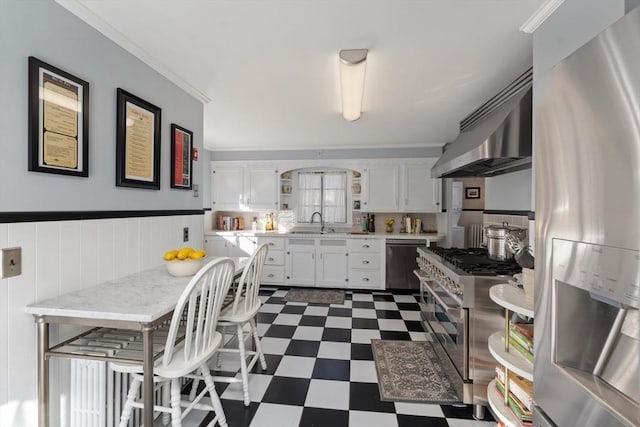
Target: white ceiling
269,68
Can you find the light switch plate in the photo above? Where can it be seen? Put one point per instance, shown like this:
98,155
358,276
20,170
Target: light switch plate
11,264
196,190
185,234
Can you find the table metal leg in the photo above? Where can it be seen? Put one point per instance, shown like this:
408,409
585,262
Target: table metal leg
147,391
42,330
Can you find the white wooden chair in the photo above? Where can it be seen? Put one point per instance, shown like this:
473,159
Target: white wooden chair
243,312
196,315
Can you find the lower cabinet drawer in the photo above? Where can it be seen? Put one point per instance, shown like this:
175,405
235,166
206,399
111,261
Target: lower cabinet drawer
364,279
273,274
364,261
274,258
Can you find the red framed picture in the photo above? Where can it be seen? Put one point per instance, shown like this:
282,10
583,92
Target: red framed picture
181,157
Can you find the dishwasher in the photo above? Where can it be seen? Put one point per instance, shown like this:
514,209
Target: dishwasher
401,257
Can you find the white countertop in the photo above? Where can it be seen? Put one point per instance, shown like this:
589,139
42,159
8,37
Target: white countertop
141,297
432,237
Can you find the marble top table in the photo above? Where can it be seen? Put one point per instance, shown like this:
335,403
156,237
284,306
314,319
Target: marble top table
140,301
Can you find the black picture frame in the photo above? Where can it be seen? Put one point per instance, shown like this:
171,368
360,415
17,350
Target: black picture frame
137,154
472,192
181,156
58,121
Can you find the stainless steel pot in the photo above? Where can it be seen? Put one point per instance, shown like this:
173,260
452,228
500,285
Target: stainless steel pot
497,245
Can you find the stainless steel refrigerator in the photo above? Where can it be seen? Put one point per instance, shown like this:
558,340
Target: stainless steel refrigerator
587,330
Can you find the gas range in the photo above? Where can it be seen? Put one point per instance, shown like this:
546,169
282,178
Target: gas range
475,261
456,308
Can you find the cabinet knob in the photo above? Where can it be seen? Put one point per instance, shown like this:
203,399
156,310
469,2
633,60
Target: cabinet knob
366,246
365,262
365,279
288,277
437,203
271,244
270,275
270,259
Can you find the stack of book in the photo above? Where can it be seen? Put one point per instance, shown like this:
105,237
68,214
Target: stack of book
520,396
521,339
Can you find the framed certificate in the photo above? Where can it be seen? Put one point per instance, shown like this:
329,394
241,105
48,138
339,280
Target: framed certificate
58,121
137,142
181,157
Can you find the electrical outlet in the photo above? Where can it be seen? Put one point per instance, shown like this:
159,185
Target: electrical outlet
196,192
11,262
185,234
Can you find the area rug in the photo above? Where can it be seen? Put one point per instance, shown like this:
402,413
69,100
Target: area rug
410,371
321,296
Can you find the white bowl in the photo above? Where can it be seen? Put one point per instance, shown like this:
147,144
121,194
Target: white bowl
185,267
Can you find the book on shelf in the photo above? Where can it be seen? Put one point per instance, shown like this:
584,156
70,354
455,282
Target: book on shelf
520,349
517,408
521,388
525,329
521,339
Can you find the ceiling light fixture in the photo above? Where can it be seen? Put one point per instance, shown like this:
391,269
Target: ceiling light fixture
539,16
353,64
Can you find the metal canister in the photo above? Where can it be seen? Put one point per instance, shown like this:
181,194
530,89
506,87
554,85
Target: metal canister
497,245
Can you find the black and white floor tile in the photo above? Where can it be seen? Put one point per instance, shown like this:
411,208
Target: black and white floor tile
320,367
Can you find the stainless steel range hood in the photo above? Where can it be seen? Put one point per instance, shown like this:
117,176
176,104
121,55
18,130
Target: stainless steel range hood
500,143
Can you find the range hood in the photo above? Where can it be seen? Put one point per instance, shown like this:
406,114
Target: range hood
500,143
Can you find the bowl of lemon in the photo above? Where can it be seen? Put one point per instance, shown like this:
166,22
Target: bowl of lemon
184,261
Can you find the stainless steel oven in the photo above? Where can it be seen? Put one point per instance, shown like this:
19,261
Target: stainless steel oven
448,321
457,311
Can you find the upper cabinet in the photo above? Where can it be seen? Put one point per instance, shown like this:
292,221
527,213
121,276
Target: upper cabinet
227,187
406,187
380,185
421,193
381,188
262,188
244,187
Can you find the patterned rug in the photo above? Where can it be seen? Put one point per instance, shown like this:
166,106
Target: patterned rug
410,371
322,296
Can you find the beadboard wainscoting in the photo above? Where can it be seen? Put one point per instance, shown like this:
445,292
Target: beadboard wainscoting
59,257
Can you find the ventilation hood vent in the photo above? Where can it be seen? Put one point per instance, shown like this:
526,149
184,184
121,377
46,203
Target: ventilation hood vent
498,144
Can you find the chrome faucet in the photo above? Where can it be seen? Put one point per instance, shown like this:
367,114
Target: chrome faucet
321,221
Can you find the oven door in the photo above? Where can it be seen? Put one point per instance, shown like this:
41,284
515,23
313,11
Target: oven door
449,323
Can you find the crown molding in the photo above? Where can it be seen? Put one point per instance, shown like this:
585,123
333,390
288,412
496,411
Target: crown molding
539,16
88,16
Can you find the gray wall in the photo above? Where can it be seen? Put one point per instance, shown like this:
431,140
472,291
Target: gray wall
362,153
47,31
511,191
572,25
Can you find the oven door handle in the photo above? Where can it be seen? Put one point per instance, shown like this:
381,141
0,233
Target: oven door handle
455,312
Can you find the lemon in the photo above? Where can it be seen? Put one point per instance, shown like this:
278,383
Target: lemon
198,254
183,253
170,255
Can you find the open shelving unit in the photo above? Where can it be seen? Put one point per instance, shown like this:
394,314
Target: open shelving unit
286,189
515,300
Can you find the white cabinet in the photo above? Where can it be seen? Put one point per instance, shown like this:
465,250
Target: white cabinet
215,246
381,189
366,263
244,187
331,266
300,262
406,187
262,188
421,193
232,244
227,187
273,270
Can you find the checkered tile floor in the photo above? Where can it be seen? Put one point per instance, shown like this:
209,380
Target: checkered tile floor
321,370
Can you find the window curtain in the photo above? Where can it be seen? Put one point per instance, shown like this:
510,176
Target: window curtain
335,197
309,195
324,192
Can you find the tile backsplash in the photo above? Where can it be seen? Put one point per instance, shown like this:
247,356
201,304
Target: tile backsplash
285,220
